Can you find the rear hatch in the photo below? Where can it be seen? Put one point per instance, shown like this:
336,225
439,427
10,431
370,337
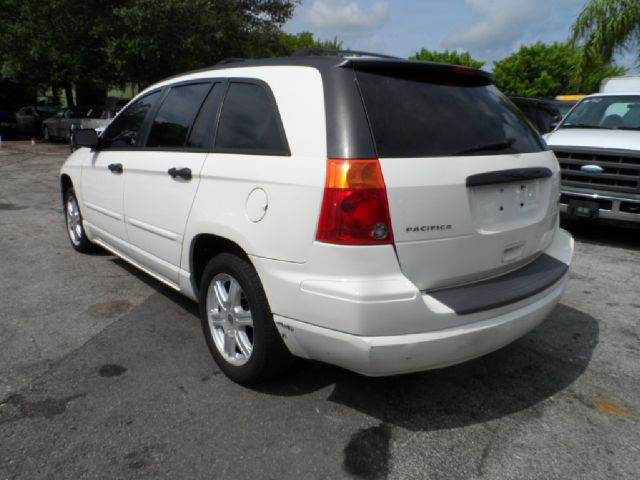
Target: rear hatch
472,188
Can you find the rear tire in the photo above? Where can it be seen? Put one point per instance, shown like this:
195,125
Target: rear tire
73,220
238,324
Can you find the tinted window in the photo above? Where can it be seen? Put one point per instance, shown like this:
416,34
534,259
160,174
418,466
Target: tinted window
124,130
175,117
249,122
434,115
202,130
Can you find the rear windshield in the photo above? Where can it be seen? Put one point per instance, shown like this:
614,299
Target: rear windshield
436,114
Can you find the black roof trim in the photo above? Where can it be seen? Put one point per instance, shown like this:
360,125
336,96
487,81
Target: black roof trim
306,52
419,66
324,62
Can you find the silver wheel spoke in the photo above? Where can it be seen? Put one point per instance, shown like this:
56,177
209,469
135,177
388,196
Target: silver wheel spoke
216,317
243,317
233,297
221,295
243,344
230,344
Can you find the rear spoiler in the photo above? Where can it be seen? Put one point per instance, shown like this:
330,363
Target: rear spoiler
401,65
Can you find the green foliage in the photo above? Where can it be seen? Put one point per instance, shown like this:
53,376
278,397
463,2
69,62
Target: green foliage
151,39
603,27
292,43
51,43
453,57
542,70
64,42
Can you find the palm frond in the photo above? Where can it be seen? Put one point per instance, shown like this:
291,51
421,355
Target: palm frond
603,27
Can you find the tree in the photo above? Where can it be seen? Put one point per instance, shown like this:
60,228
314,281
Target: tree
52,43
603,27
542,70
65,42
292,43
152,39
453,57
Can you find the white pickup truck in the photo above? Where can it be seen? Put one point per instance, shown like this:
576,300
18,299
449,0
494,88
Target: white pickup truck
598,147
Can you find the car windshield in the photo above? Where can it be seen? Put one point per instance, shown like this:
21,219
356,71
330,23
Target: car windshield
608,112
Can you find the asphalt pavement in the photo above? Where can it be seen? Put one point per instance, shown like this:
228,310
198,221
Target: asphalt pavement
104,373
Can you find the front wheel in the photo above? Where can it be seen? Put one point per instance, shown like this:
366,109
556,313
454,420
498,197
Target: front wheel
75,228
237,322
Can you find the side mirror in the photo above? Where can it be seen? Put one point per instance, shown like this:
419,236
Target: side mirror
85,137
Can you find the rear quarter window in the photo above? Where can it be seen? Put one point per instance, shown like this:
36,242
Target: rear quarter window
250,122
429,114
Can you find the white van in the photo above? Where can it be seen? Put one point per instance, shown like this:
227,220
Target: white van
384,215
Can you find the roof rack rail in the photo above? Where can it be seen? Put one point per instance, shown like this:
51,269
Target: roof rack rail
224,61
304,52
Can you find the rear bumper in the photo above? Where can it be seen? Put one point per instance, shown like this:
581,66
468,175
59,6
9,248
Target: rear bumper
383,325
389,355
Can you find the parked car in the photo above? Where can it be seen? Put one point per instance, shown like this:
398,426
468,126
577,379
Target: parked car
542,113
313,209
98,118
598,147
61,125
8,125
30,118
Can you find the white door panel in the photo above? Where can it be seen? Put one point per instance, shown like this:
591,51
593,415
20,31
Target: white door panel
102,192
157,206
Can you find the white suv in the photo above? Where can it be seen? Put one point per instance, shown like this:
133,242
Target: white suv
379,214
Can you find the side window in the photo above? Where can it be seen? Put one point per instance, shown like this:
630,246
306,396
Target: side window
123,131
202,129
176,115
250,123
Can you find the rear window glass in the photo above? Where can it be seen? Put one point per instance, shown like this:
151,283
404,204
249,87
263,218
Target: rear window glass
436,115
250,123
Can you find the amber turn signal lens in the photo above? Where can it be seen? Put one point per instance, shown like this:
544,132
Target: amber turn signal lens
354,174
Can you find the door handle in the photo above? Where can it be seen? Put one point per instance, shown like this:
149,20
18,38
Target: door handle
115,167
184,173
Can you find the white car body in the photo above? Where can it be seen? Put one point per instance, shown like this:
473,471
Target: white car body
373,309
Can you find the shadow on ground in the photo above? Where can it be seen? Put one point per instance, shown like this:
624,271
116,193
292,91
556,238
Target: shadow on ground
604,234
513,379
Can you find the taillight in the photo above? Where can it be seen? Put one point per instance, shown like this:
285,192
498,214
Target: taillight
355,210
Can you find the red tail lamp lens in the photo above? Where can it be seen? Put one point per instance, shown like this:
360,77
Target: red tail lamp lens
355,210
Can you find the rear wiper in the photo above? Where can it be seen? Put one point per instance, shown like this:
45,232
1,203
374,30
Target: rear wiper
488,146
628,128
